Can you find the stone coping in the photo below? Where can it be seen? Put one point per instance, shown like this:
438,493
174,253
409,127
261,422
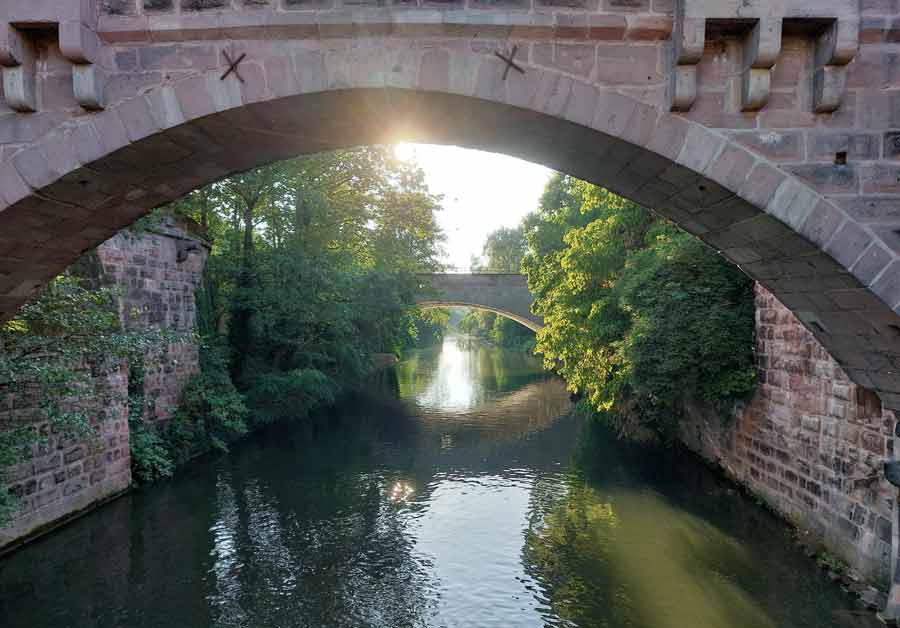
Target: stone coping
338,23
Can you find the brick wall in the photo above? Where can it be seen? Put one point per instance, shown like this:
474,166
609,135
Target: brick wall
810,442
158,271
66,476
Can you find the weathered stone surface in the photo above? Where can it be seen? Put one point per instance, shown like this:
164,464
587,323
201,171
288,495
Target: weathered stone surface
807,442
200,5
68,488
880,179
826,146
828,178
119,7
158,271
892,145
774,145
158,5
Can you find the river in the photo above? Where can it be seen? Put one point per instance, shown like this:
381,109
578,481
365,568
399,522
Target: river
472,498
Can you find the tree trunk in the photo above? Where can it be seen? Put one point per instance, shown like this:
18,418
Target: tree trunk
204,209
248,233
240,322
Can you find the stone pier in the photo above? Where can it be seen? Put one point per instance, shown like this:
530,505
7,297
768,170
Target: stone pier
810,442
158,270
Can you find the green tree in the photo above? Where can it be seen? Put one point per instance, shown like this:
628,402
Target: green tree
639,316
313,269
504,248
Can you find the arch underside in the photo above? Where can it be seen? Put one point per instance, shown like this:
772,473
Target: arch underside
152,149
529,321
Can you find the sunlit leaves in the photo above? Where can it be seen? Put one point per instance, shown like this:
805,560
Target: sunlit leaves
639,315
313,269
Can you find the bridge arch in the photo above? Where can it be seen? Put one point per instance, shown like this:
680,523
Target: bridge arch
505,294
528,322
172,120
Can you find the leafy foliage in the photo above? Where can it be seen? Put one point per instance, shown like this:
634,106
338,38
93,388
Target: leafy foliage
211,415
639,315
313,269
52,352
504,249
151,459
497,330
423,328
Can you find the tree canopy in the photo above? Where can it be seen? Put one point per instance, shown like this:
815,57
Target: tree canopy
504,248
313,269
639,315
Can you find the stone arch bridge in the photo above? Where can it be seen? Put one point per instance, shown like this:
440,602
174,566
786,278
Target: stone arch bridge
506,294
768,128
771,129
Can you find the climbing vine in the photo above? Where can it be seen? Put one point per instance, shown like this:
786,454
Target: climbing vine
53,353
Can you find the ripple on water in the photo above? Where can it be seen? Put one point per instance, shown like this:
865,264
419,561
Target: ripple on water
477,502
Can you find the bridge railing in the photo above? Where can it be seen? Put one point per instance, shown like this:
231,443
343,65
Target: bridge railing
477,270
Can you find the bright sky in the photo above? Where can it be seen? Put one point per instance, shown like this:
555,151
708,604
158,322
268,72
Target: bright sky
482,192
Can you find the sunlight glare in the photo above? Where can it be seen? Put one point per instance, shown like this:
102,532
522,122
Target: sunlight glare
402,492
405,151
481,192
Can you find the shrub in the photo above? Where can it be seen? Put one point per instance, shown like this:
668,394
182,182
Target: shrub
212,413
639,315
290,394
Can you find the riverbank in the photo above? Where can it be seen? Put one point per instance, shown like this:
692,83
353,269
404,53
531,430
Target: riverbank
385,514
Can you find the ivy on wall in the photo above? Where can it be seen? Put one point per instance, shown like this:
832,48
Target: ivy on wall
52,355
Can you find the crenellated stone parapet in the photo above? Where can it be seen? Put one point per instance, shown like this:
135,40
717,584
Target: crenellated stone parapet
72,26
832,24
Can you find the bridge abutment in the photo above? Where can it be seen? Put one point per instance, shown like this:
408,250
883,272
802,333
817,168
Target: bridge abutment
810,442
157,271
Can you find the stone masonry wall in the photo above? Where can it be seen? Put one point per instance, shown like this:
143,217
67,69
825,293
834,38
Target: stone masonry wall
810,442
158,270
64,475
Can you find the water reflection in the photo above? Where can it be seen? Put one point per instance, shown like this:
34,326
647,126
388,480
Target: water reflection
472,394
225,603
475,500
461,375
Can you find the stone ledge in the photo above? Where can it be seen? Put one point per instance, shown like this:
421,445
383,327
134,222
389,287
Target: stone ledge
339,23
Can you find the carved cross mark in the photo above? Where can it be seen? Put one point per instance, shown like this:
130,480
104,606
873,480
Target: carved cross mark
233,66
508,60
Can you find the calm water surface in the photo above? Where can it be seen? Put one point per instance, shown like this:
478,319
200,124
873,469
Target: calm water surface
475,499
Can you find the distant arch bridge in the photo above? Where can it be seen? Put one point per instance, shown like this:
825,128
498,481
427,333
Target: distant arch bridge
506,294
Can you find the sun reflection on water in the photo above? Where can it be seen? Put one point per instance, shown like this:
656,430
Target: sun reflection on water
402,492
